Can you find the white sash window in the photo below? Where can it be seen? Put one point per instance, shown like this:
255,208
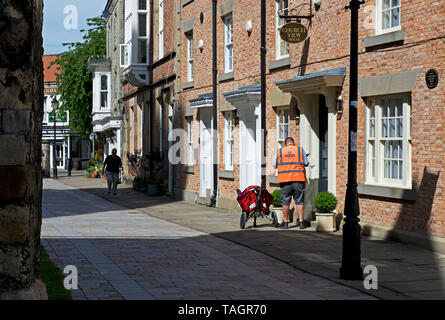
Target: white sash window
228,141
388,141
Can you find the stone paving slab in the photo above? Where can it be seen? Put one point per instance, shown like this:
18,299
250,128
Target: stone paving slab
306,250
126,254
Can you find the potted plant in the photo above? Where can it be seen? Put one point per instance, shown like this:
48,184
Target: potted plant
153,187
325,204
139,184
89,171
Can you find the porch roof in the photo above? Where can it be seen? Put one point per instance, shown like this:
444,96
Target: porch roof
316,80
253,88
203,101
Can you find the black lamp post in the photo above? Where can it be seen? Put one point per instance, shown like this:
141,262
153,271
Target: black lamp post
351,268
55,106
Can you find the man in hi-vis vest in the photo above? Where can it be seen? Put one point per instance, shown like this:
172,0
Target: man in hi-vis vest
291,162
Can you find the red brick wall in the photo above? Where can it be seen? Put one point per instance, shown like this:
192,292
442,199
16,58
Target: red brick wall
328,48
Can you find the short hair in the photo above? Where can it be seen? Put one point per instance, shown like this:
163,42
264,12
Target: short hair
114,150
289,139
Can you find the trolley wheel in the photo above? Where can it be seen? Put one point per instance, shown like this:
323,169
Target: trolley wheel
254,221
274,219
243,220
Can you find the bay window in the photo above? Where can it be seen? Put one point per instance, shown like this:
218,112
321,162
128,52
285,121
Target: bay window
103,91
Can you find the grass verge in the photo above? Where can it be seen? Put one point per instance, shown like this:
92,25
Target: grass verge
52,277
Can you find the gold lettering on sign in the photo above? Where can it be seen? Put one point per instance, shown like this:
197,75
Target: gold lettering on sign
293,32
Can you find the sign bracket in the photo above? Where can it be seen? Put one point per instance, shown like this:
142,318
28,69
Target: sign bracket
295,13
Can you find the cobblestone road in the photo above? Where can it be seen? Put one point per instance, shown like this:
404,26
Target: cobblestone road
125,254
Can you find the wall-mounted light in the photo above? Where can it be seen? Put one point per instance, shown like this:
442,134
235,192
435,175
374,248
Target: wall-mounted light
339,107
249,27
200,45
317,4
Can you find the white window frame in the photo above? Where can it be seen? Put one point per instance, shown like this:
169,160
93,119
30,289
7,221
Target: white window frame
161,29
142,38
228,43
101,91
278,23
279,124
45,108
228,141
124,59
378,16
190,160
379,142
190,56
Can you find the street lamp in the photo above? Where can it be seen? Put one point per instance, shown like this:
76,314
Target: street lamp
55,106
351,268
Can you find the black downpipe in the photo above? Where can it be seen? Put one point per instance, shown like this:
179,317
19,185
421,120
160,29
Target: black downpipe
215,118
150,92
263,51
263,91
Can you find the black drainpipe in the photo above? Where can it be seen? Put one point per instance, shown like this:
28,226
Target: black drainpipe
150,84
263,91
215,118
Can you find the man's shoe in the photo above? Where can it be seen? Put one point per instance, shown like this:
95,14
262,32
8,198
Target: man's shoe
284,225
302,225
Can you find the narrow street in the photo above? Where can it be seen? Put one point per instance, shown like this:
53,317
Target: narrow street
122,253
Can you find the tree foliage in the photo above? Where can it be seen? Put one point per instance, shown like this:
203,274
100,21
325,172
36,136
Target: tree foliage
75,80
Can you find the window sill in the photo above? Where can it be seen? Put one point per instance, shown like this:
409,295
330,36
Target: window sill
226,174
385,39
387,192
226,76
189,169
188,85
278,64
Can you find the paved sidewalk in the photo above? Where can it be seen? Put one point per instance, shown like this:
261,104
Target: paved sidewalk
405,272
124,254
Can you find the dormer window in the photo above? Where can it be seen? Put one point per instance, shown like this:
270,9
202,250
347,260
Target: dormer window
103,91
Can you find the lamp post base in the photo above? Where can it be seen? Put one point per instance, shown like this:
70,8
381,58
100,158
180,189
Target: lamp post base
351,268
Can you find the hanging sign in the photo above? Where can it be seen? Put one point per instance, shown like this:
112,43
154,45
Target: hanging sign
293,32
432,78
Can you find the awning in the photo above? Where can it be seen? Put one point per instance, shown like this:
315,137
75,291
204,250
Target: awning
203,101
314,81
248,95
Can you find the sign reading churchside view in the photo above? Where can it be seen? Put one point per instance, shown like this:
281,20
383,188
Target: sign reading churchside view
293,32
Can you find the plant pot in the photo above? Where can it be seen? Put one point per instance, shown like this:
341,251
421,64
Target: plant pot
93,175
153,190
326,222
279,212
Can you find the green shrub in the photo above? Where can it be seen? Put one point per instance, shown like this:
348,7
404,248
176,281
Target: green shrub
154,182
325,202
276,195
138,182
91,169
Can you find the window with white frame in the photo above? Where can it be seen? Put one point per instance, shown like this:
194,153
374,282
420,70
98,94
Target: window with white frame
228,43
282,126
142,32
228,141
388,141
281,46
388,15
161,29
190,141
125,54
190,57
45,108
103,91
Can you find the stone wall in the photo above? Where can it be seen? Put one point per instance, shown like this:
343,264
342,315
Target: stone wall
21,105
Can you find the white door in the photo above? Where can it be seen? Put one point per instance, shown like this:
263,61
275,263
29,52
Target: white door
249,160
206,150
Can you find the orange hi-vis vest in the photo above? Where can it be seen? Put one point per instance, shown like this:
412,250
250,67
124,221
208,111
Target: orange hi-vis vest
290,164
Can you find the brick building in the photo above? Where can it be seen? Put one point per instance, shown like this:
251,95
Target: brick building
401,121
166,58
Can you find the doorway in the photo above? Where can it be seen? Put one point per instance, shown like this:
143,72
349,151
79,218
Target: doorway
206,152
323,145
250,164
